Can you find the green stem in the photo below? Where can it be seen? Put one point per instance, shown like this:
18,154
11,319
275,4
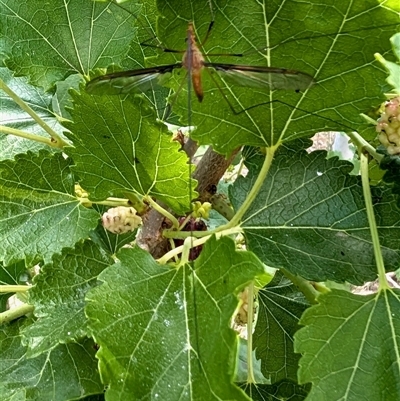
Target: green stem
269,156
15,313
137,202
303,285
185,234
176,251
187,245
361,143
250,318
57,140
321,288
14,288
108,202
383,284
26,135
234,223
162,211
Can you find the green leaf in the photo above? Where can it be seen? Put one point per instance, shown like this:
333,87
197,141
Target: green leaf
280,309
11,275
119,147
309,217
62,98
49,41
59,298
284,390
39,215
14,117
68,372
350,347
333,42
164,332
242,369
393,69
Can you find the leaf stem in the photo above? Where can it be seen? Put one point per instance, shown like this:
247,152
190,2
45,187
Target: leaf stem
26,135
383,284
361,143
162,211
250,318
108,202
187,245
269,156
176,251
303,285
14,288
58,142
15,313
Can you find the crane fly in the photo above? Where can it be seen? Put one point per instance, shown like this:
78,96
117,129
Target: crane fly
193,62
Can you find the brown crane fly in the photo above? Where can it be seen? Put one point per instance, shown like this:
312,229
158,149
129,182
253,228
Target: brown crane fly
193,61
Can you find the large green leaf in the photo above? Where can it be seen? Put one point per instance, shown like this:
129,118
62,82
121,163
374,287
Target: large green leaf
68,372
164,332
335,42
59,298
309,217
48,41
39,214
350,347
119,147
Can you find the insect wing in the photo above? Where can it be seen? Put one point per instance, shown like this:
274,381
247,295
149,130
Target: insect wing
124,82
263,77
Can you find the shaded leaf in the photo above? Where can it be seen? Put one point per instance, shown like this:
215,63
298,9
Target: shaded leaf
348,343
392,68
68,372
10,275
309,218
242,369
284,390
62,100
281,305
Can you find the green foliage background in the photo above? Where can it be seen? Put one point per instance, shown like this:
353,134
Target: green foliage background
164,330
